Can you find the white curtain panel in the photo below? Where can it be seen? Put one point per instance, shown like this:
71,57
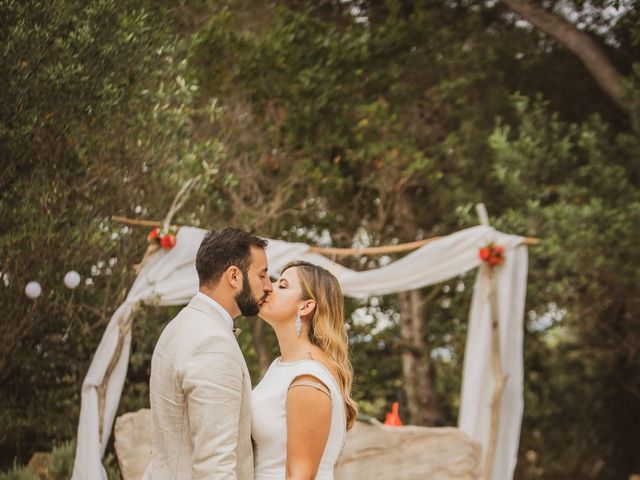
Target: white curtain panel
477,376
169,278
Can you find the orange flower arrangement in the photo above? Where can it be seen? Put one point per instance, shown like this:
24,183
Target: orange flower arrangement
492,254
166,238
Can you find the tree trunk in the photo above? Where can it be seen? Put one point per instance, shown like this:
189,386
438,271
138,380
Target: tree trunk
258,344
419,376
580,43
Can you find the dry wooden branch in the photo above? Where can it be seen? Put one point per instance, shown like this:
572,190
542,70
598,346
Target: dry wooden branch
137,222
123,329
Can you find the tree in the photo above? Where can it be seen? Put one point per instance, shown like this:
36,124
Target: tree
95,119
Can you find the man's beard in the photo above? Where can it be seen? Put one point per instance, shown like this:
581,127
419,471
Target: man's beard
245,300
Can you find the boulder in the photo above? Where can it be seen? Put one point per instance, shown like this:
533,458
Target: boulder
132,442
375,451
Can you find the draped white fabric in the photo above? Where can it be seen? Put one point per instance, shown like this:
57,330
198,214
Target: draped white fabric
169,278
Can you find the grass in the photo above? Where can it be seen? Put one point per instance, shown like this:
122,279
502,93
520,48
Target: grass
61,465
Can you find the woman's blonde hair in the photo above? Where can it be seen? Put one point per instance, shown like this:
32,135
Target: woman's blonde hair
327,328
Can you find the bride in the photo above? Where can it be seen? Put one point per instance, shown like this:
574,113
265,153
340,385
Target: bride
302,407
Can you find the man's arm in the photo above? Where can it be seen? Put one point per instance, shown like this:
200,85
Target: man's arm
212,384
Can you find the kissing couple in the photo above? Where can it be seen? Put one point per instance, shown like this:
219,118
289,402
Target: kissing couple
207,423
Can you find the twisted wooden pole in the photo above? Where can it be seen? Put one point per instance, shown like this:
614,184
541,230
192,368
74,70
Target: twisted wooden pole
500,379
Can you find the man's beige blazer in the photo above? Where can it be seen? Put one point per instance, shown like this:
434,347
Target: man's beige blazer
200,393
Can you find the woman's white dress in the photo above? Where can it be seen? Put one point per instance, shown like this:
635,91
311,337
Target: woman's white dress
269,419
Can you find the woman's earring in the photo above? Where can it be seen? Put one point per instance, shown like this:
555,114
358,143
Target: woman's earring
298,324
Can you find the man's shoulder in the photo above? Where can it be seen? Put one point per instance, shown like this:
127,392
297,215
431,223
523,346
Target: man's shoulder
191,327
190,320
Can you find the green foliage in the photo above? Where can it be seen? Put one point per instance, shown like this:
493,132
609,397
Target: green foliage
111,466
371,339
60,465
576,186
96,117
18,473
62,456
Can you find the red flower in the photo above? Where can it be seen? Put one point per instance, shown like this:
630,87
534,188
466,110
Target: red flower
492,254
153,234
168,241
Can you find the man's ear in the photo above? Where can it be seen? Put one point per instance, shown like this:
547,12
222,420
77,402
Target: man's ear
308,307
233,276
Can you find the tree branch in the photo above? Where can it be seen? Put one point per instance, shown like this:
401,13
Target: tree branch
580,43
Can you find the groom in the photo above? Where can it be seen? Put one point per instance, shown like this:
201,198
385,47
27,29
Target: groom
200,386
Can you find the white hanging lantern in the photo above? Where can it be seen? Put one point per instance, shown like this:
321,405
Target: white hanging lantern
72,279
33,290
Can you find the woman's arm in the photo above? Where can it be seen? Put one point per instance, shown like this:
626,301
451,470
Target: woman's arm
308,425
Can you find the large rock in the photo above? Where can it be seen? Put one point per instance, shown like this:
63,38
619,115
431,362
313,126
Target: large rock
132,441
375,451
372,451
